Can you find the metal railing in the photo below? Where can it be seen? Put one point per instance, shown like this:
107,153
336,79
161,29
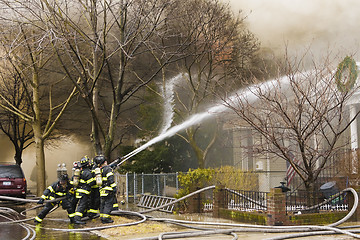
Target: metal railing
302,200
245,200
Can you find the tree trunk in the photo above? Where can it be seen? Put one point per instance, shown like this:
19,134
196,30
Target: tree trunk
109,139
95,127
95,136
40,161
310,195
38,138
115,106
198,151
18,156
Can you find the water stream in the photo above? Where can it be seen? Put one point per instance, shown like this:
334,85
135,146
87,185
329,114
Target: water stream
168,96
248,94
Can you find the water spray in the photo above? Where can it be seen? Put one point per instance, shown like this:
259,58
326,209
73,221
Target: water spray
168,96
249,94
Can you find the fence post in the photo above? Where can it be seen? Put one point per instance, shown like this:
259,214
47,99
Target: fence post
195,203
163,191
276,208
127,187
219,200
355,185
177,182
142,183
135,188
158,184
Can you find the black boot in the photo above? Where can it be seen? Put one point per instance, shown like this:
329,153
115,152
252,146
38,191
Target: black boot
93,215
77,220
36,221
107,220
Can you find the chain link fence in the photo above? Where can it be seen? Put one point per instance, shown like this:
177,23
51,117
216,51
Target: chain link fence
132,185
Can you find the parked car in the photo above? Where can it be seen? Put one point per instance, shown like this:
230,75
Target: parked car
12,181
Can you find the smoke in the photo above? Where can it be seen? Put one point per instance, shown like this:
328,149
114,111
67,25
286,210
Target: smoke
322,25
65,151
7,156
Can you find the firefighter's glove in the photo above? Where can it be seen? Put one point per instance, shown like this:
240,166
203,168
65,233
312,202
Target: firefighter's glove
41,201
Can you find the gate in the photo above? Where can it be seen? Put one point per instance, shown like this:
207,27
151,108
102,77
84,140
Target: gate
132,186
152,201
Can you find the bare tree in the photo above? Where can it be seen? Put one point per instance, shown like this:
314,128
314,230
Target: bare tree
25,48
12,125
221,48
109,46
300,115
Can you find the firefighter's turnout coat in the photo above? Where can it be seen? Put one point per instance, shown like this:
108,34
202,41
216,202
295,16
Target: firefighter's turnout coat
52,192
107,191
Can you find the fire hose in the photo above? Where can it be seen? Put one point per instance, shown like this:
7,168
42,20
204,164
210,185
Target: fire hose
232,228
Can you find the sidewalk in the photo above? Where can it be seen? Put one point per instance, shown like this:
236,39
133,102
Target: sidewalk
152,229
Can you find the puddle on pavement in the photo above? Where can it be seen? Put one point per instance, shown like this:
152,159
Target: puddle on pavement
57,219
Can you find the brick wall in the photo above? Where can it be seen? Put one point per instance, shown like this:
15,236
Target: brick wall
276,212
219,200
276,209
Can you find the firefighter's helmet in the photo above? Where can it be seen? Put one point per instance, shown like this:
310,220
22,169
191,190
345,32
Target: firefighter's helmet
99,159
64,178
85,161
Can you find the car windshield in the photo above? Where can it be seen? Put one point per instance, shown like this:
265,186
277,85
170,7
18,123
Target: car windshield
11,171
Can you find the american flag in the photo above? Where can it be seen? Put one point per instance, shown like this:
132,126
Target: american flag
290,172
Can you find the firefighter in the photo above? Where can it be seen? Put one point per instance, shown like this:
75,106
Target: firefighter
74,181
107,189
94,202
113,165
83,190
56,190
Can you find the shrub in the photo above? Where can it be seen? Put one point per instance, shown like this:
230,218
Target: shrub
234,178
228,176
193,179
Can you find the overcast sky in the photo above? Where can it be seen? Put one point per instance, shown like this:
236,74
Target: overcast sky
325,24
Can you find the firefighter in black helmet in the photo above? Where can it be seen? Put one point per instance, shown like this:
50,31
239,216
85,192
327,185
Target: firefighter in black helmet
56,190
107,189
94,202
83,190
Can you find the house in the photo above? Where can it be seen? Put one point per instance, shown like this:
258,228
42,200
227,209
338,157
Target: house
300,116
